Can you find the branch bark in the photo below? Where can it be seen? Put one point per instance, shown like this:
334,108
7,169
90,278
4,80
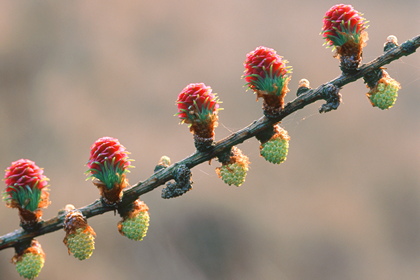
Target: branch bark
162,176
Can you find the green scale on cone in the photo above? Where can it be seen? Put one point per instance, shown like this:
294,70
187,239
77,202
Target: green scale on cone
276,148
135,228
80,237
135,222
81,243
30,265
30,261
385,94
235,166
275,151
233,173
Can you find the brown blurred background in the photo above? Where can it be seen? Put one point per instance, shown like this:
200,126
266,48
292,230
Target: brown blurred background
345,205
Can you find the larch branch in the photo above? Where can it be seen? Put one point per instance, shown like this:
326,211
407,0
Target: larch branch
164,175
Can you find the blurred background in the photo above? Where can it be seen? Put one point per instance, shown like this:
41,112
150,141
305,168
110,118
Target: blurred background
345,204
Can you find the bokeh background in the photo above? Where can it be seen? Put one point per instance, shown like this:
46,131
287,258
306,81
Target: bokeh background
345,204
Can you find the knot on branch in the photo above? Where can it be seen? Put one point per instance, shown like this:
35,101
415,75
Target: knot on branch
371,78
30,220
109,198
265,135
203,144
349,63
330,93
408,47
183,183
270,111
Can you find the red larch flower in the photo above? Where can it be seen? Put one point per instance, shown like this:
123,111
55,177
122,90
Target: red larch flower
108,163
25,183
342,23
266,74
198,107
197,103
344,29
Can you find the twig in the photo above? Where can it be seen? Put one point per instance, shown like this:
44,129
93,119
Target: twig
327,92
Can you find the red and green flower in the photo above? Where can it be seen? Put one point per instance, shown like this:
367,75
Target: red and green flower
344,30
198,106
266,71
267,74
108,161
26,186
343,24
108,164
197,103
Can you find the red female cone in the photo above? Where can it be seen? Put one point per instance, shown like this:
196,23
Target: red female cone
26,189
108,164
198,107
344,29
266,74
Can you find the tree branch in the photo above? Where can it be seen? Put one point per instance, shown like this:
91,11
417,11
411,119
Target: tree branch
323,92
